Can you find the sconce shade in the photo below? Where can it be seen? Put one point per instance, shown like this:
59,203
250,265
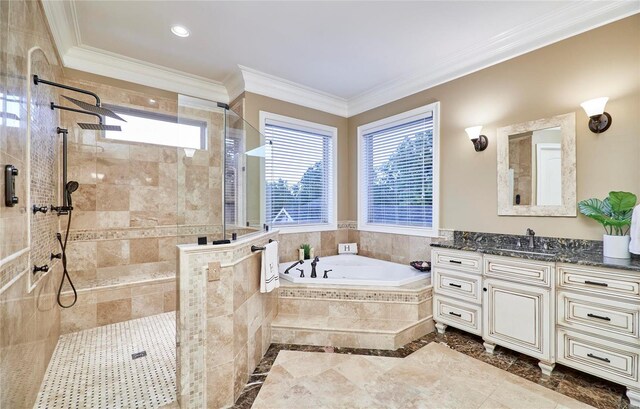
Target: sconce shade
599,120
473,132
480,142
594,106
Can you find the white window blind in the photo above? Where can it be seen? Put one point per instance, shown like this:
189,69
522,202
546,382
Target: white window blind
398,164
299,174
233,171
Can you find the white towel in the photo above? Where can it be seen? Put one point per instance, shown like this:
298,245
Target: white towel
269,275
634,232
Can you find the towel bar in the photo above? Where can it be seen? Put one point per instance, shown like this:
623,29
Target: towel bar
255,248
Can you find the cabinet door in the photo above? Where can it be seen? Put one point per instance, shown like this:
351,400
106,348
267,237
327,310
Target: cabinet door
518,317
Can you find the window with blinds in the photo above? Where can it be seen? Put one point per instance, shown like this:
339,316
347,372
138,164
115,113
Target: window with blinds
398,164
299,171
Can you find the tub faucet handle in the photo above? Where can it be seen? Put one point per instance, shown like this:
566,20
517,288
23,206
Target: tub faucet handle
301,272
325,273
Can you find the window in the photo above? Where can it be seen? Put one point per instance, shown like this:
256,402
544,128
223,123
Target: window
157,129
234,178
300,172
9,110
398,173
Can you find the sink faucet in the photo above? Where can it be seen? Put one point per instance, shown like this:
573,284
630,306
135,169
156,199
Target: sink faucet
314,263
293,265
531,234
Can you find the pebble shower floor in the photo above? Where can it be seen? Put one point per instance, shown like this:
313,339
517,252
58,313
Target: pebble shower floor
95,369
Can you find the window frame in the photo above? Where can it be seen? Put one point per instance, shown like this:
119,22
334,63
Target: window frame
332,211
162,117
363,187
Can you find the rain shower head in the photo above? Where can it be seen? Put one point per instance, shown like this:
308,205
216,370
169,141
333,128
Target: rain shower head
99,127
93,108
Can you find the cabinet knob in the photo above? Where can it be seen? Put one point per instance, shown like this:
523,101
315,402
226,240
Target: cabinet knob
484,289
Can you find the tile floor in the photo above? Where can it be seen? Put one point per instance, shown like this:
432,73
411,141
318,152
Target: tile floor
434,377
578,385
95,368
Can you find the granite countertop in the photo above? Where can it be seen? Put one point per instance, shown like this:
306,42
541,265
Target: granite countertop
582,252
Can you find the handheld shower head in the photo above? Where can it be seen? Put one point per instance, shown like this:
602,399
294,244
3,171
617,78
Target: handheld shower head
71,187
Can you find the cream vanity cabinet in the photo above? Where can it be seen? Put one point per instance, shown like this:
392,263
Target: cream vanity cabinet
584,317
598,316
517,307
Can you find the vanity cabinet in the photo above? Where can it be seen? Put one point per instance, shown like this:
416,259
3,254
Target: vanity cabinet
457,289
518,308
598,317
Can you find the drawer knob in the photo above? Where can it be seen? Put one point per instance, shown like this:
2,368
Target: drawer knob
455,285
599,358
484,289
600,317
455,314
596,283
455,261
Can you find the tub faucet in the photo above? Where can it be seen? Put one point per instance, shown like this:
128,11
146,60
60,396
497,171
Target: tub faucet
532,235
293,265
314,263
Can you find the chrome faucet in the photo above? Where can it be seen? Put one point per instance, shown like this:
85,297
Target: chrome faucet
314,263
531,234
293,265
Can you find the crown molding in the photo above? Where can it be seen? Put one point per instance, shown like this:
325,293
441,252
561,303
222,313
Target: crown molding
575,18
284,90
96,61
63,23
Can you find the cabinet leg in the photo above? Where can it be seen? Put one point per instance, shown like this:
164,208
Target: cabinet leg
441,328
546,368
634,397
489,347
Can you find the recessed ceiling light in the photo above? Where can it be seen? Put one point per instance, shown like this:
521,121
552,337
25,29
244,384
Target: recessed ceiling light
180,31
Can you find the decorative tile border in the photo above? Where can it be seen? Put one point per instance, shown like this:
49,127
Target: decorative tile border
357,295
12,269
143,232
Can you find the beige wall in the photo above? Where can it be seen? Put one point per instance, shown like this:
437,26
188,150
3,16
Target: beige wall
255,103
549,81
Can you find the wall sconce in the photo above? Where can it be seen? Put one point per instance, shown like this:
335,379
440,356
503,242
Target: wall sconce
599,121
480,142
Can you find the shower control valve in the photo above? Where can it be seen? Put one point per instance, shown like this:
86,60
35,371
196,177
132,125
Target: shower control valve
43,268
41,209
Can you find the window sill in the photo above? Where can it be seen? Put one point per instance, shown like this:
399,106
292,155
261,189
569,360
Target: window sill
307,228
407,231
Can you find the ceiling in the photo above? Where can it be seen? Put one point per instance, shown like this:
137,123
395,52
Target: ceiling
347,52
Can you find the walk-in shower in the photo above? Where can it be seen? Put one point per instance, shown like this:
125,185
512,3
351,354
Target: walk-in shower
69,187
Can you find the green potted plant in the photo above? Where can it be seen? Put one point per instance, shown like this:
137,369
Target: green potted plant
614,214
306,251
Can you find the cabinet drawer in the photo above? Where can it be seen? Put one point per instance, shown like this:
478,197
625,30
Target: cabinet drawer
458,314
610,360
601,316
466,287
599,281
519,270
459,260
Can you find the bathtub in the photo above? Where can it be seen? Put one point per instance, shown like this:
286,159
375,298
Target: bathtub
350,269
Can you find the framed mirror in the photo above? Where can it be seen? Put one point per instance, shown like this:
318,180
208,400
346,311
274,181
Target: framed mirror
537,168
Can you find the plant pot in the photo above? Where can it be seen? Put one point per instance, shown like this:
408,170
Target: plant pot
616,246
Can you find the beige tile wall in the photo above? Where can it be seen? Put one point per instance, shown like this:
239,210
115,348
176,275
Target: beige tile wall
29,321
397,248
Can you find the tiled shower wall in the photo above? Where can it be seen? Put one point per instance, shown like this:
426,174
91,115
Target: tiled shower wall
398,248
135,203
29,321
